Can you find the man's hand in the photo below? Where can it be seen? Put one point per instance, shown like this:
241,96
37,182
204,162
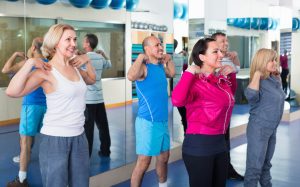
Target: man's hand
231,55
226,70
166,58
102,54
143,58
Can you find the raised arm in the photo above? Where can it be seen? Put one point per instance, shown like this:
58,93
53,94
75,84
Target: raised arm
234,57
137,70
180,94
88,75
107,62
252,91
230,72
10,66
254,84
26,81
169,65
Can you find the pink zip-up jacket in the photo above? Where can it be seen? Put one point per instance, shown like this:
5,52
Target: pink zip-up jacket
209,101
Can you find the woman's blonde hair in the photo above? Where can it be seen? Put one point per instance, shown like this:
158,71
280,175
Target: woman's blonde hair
260,61
52,38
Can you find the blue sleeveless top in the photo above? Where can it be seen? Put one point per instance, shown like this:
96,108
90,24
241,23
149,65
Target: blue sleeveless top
152,94
37,97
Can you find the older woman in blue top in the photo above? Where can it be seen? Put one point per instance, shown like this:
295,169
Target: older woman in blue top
266,99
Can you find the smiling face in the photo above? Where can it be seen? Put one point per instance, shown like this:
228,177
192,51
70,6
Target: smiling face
222,42
86,44
212,57
271,66
67,44
154,48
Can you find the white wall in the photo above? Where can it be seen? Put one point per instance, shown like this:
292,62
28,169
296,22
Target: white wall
181,28
295,57
159,12
196,9
114,90
295,64
247,8
9,107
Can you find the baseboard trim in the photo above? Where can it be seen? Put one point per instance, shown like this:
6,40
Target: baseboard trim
114,105
10,122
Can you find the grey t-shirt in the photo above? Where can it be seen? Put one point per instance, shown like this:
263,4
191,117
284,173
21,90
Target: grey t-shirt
94,93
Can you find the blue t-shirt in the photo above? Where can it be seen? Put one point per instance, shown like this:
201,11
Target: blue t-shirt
37,97
152,94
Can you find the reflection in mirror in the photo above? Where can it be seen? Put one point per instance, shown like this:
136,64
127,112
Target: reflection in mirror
13,50
16,34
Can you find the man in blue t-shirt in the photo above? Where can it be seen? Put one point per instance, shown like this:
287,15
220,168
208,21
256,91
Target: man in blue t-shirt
32,112
151,127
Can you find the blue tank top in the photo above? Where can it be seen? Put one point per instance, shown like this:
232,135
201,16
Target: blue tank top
152,94
37,97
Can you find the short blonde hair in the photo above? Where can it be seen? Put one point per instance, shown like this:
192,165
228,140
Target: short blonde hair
260,61
52,38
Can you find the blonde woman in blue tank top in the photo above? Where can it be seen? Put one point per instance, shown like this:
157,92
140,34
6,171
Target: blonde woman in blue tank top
63,156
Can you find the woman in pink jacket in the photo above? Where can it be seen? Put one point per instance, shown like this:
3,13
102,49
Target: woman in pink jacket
208,98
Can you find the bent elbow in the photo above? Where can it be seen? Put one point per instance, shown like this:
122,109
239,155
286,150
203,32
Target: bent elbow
4,71
172,74
10,93
130,77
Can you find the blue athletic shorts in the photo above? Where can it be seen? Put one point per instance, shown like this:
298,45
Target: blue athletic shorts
31,119
152,138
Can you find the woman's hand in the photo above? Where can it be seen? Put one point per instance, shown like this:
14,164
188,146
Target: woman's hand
194,69
258,74
39,64
79,60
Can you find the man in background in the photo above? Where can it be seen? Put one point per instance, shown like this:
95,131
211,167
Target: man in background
230,58
95,108
284,70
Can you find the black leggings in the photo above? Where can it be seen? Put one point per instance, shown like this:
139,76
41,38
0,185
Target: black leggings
284,75
206,171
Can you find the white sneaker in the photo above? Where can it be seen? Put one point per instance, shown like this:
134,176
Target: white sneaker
16,159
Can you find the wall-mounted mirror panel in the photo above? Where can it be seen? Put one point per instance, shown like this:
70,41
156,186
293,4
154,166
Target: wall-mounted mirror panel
21,22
